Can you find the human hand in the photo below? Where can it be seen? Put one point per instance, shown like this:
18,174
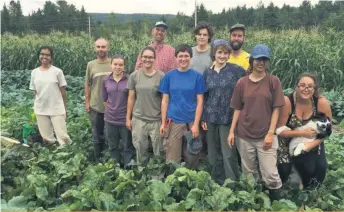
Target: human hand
268,141
195,131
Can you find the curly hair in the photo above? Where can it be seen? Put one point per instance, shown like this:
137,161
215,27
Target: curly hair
204,25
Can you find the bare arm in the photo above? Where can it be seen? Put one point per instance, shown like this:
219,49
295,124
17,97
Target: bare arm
199,109
273,120
235,120
87,97
64,97
131,102
323,107
285,112
164,105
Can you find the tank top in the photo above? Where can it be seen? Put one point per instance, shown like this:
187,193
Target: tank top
294,122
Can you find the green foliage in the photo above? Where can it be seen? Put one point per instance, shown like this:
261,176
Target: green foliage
293,52
64,178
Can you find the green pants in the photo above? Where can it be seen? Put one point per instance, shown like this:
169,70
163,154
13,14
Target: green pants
222,158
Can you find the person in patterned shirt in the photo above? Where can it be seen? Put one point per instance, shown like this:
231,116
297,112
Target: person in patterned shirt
220,80
165,60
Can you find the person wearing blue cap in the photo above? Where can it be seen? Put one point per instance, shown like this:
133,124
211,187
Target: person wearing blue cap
220,81
257,100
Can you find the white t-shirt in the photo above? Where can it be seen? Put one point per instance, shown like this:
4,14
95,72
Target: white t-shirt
47,84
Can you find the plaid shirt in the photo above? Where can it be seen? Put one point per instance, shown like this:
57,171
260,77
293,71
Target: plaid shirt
165,59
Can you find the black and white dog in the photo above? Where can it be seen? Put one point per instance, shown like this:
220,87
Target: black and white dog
320,123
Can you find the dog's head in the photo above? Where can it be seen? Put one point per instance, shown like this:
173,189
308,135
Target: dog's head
324,126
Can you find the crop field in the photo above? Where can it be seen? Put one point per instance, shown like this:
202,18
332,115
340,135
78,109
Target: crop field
65,178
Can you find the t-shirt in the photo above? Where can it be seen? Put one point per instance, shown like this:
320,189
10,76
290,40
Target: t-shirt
241,60
95,73
47,84
182,88
220,87
116,96
256,101
147,105
200,60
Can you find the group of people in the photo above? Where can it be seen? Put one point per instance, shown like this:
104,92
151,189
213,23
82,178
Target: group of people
224,98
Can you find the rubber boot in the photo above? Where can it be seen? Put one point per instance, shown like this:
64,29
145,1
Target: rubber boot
274,194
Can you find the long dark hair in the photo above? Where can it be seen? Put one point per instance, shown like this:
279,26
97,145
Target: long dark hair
315,78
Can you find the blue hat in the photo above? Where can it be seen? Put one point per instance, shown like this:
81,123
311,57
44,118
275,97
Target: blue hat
194,145
260,50
215,43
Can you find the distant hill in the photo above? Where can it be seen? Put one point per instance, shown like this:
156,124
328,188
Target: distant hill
104,17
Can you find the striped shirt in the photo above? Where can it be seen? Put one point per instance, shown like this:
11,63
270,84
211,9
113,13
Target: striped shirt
95,73
165,59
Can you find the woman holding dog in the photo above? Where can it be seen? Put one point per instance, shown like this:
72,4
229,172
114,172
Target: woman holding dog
300,107
256,101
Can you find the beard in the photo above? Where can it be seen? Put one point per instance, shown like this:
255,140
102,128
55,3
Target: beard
236,45
101,54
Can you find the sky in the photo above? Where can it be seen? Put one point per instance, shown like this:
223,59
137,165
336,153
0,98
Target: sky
153,6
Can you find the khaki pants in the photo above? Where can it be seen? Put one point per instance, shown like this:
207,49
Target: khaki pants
140,132
175,148
267,160
47,125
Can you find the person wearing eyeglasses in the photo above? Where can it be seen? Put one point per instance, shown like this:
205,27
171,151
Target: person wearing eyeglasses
144,107
300,107
256,101
165,60
50,105
95,72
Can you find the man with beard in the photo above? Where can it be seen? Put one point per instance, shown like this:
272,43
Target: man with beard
237,38
95,72
165,60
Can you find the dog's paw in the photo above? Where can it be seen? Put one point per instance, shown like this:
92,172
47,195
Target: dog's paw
299,149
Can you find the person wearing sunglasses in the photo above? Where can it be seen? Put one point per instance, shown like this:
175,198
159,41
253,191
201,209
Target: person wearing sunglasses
300,107
256,101
50,105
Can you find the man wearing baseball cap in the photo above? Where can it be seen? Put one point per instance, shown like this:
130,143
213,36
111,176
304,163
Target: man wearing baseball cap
165,60
236,39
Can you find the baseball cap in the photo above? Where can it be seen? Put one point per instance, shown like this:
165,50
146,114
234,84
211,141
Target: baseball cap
161,24
237,26
260,50
194,145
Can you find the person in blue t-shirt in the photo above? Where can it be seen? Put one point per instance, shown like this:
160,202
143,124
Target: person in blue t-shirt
182,105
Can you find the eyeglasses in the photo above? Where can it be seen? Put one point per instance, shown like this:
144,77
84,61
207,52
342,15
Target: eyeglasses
304,87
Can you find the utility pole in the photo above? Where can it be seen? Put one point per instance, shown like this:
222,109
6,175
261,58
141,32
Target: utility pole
89,26
195,13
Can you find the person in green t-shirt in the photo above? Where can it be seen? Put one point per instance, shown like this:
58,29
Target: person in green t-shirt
144,106
95,72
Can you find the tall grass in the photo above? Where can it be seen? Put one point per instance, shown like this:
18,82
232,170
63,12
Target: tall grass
293,52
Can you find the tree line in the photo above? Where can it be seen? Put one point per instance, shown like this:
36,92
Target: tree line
62,16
